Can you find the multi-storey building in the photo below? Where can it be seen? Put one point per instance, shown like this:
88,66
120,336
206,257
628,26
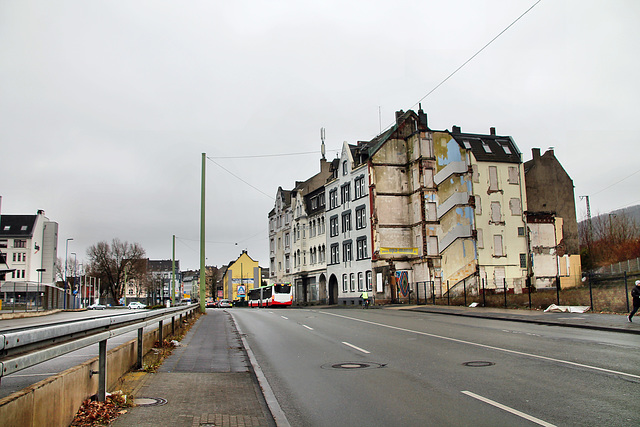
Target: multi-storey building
348,227
240,277
551,213
29,248
447,210
280,238
308,239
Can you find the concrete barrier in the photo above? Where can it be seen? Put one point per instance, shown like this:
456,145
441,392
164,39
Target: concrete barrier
55,400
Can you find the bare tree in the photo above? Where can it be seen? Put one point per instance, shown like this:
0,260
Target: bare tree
116,263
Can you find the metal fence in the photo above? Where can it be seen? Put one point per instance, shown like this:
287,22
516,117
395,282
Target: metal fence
630,265
600,292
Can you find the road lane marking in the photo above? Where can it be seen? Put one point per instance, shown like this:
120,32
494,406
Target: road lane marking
508,409
356,347
308,327
285,318
491,347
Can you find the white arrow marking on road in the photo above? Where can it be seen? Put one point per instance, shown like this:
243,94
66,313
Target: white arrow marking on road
508,409
357,348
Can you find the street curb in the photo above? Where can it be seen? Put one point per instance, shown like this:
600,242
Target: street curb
537,322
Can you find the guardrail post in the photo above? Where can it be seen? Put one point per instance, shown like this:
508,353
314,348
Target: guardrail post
102,371
173,325
160,337
140,348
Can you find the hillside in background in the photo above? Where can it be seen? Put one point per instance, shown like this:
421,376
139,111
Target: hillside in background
633,212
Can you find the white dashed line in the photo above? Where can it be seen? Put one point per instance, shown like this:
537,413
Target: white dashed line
508,409
357,348
308,327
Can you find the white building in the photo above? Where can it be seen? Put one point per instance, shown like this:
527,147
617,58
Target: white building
348,227
29,248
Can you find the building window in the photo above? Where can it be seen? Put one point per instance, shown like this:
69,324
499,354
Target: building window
345,193
360,282
478,203
347,254
361,217
333,226
369,281
345,168
523,260
333,198
335,254
359,187
362,248
521,231
286,240
19,243
344,283
346,221
352,278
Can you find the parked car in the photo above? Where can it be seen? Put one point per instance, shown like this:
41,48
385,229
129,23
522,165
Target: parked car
96,306
224,303
135,305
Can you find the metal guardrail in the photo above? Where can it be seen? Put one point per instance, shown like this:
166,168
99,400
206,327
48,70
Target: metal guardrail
25,348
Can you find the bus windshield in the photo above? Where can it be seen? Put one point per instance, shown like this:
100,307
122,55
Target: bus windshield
282,289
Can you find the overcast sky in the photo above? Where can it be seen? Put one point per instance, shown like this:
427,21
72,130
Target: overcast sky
107,106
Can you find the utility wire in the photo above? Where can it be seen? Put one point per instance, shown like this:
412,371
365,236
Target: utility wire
615,183
259,156
236,176
476,54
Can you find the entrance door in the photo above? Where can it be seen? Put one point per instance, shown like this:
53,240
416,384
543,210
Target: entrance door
333,290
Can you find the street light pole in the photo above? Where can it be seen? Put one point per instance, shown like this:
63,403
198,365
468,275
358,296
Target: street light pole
73,286
66,255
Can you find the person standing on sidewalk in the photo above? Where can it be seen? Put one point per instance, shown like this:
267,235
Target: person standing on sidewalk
635,296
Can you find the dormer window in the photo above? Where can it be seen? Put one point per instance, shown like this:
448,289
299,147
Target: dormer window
506,149
487,149
467,144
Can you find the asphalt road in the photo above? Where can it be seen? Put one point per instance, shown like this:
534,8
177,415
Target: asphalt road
339,367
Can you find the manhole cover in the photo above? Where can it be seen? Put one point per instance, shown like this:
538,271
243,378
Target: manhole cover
478,364
149,401
353,365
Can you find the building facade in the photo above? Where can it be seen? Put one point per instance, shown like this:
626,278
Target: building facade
348,235
29,248
240,277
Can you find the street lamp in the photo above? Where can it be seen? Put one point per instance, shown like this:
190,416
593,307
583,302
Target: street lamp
73,286
66,255
40,271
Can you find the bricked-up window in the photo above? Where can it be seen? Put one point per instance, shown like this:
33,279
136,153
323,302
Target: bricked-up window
497,245
475,176
427,178
496,212
514,176
493,178
478,202
480,238
515,206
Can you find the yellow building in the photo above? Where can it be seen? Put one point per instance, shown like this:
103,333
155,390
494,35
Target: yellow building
242,275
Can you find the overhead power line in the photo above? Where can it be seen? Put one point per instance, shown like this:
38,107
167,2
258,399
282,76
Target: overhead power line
236,176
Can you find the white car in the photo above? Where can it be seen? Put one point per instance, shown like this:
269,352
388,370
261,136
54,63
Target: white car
135,305
96,306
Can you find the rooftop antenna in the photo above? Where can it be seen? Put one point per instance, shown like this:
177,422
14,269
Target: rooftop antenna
322,149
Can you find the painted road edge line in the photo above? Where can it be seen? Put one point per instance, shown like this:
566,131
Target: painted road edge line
508,409
269,396
356,347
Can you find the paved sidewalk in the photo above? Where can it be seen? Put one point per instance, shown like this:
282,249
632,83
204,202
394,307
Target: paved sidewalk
603,322
208,381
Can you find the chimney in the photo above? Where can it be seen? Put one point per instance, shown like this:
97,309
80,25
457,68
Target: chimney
398,115
456,129
536,153
492,131
422,118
